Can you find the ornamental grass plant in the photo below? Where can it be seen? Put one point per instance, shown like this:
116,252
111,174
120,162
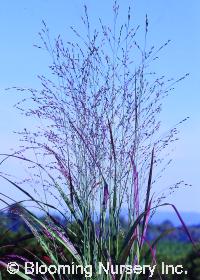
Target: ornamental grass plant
95,154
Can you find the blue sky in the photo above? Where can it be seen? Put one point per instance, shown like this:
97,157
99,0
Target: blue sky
20,63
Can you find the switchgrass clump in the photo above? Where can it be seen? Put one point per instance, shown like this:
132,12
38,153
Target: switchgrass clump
97,149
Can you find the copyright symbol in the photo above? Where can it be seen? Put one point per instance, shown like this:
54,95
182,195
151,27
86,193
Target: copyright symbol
12,268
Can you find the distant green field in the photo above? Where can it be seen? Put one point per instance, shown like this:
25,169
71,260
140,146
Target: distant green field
177,253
